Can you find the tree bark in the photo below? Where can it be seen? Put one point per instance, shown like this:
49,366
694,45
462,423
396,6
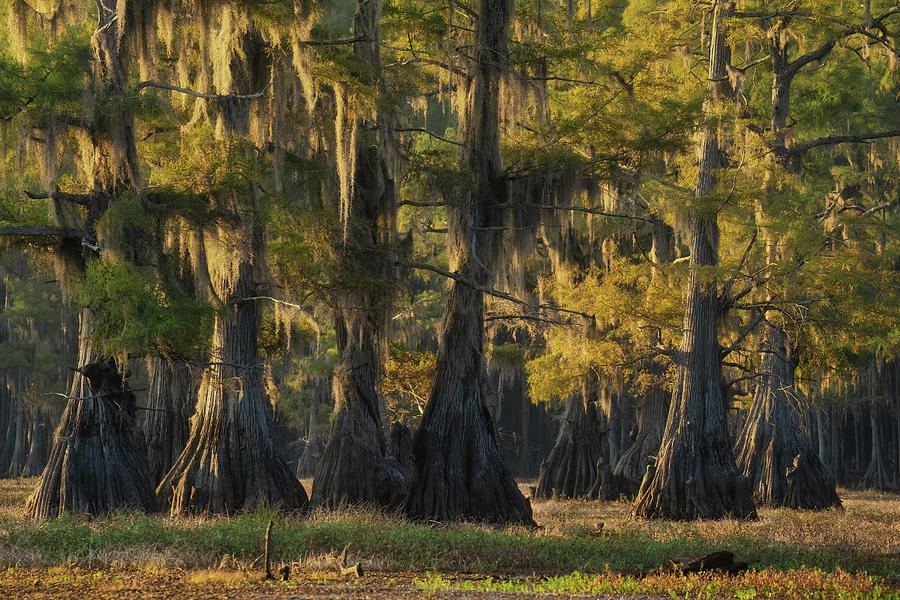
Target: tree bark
460,471
571,469
876,476
629,471
694,475
354,467
166,423
38,443
230,461
773,451
96,464
319,393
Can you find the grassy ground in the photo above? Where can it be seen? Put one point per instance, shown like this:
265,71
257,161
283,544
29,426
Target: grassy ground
581,547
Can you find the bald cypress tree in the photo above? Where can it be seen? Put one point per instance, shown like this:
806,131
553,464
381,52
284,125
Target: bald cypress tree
96,464
354,465
459,470
230,460
694,475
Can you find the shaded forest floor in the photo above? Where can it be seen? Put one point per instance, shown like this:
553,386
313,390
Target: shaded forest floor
581,548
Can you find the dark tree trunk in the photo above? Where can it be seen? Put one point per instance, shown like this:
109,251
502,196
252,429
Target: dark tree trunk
629,471
571,469
773,451
38,447
230,461
165,423
695,475
615,423
876,476
354,467
19,436
96,464
320,393
460,471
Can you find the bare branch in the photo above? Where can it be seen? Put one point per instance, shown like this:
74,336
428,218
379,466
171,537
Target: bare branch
82,199
489,291
592,211
838,139
432,134
37,231
421,204
189,92
724,352
333,42
815,55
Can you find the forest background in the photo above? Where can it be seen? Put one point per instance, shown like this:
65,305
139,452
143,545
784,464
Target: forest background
634,249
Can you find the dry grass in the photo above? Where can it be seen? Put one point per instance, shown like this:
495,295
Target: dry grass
574,535
869,524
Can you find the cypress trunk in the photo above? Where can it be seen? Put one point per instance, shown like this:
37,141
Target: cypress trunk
230,461
876,476
573,466
39,439
460,470
165,423
96,464
774,451
319,393
629,471
354,467
694,475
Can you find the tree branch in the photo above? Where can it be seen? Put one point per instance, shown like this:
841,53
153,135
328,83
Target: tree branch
592,211
189,92
432,134
37,231
740,338
817,54
838,139
489,291
334,42
82,199
420,204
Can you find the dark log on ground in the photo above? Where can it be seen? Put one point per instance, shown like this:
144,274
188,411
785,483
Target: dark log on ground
715,561
96,464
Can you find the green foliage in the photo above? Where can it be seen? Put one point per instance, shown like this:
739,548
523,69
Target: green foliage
51,79
407,383
203,164
134,314
407,546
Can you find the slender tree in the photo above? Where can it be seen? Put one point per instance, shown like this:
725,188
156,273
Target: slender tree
694,475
